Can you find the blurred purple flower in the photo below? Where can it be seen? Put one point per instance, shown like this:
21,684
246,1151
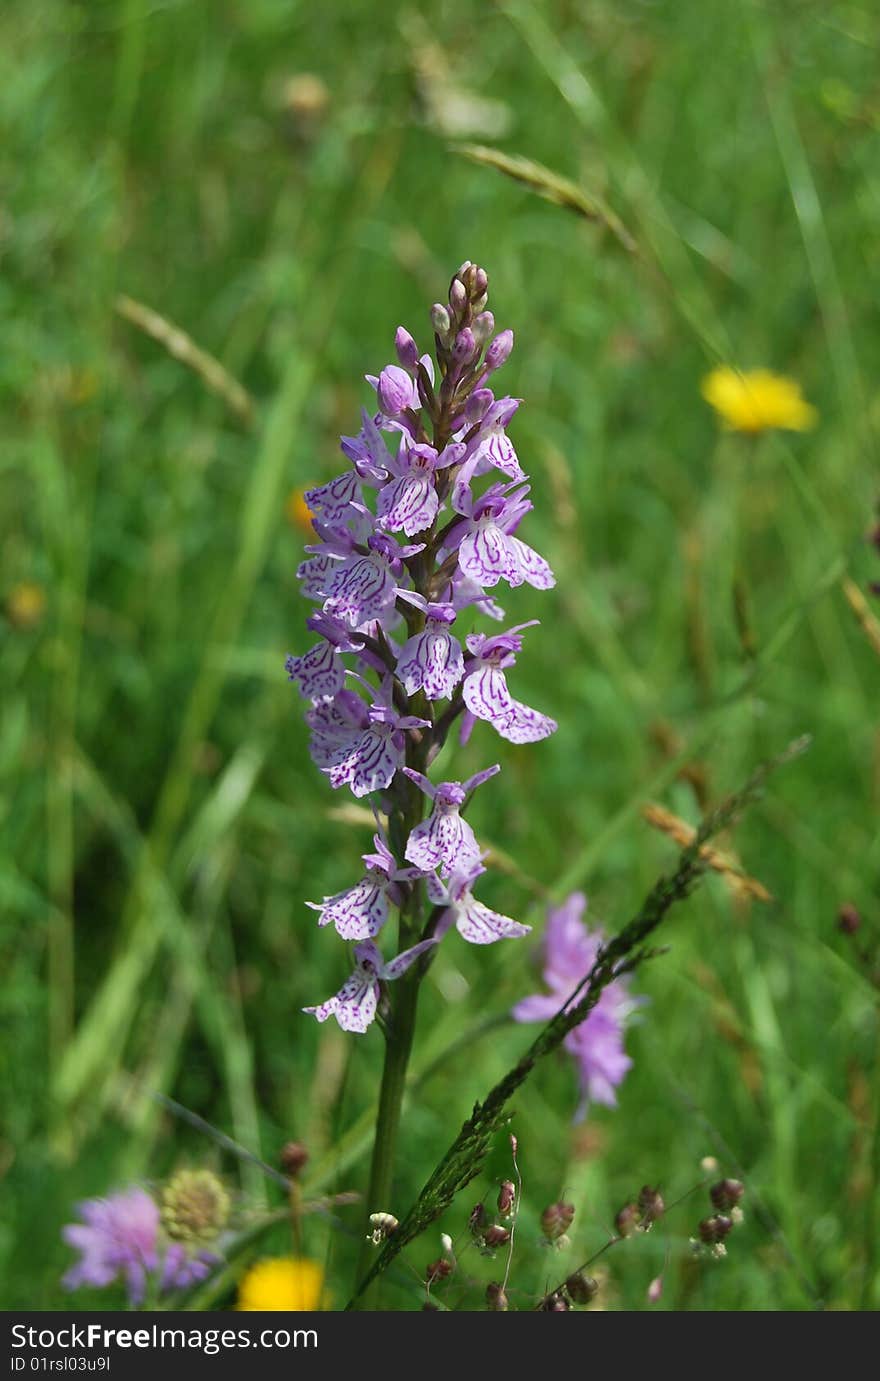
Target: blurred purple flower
570,951
119,1237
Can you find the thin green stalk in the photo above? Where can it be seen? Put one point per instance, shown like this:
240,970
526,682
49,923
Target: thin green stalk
400,1029
397,1053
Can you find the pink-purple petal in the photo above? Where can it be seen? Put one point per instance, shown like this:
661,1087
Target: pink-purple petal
481,926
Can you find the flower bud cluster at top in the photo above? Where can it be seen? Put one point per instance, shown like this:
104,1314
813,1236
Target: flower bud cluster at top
412,541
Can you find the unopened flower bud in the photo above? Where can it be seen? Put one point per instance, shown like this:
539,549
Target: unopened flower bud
499,350
395,390
581,1287
556,1220
495,1236
496,1299
655,1289
506,1198
482,327
555,1304
715,1229
457,297
407,350
293,1159
476,408
627,1220
651,1205
438,1270
848,919
726,1194
446,1243
476,280
465,346
441,322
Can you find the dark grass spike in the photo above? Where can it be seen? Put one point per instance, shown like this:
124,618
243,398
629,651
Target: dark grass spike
465,1157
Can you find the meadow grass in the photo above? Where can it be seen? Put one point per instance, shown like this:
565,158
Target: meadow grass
162,825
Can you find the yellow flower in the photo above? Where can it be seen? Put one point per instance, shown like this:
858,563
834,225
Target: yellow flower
297,511
283,1282
26,604
757,400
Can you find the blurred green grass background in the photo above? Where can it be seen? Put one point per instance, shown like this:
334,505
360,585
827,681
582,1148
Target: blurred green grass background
162,825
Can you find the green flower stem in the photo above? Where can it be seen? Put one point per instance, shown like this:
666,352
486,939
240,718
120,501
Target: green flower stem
403,996
397,1053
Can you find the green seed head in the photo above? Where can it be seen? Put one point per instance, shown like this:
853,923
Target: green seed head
195,1206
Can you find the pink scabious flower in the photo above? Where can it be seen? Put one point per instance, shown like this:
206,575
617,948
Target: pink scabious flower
570,951
120,1237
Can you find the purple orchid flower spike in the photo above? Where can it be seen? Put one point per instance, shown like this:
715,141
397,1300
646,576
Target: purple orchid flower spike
360,912
486,694
445,840
432,661
450,491
474,921
354,1006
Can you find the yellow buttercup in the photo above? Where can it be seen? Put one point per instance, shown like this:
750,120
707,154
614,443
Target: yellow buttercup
757,400
282,1282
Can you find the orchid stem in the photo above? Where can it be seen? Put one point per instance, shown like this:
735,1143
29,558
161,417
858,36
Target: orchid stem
397,1053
